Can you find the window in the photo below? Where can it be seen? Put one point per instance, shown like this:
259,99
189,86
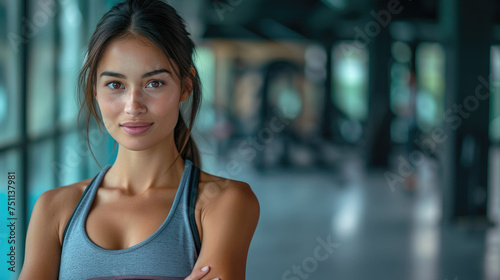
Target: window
9,73
350,79
430,62
495,94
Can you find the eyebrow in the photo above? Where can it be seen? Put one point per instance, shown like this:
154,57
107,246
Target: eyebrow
121,76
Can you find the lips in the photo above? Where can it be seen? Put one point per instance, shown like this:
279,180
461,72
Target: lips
136,128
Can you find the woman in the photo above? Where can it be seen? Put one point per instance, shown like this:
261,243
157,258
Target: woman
152,214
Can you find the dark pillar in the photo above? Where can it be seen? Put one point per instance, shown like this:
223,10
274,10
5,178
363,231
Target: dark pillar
467,36
328,115
379,112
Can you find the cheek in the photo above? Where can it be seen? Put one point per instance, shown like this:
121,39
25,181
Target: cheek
109,107
168,109
166,100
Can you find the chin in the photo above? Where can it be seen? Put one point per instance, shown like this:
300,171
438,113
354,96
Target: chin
136,148
135,145
138,144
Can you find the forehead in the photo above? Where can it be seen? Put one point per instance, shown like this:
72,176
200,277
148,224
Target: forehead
132,55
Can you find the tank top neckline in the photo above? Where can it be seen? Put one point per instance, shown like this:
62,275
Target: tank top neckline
93,192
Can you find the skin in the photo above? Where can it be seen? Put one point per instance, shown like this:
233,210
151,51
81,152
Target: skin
141,185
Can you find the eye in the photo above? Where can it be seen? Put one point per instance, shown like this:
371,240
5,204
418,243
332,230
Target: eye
154,84
115,85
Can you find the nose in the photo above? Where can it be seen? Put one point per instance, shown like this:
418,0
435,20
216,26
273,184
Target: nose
135,103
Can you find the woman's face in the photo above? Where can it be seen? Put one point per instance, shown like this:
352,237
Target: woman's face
138,93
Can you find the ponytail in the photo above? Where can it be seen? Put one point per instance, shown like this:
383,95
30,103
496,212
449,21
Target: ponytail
184,142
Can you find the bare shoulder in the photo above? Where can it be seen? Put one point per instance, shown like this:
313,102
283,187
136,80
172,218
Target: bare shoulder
59,203
215,190
63,194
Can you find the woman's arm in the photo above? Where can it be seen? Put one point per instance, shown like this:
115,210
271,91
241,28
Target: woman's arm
43,250
228,223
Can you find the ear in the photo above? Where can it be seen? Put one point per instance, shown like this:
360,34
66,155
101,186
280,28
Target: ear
187,86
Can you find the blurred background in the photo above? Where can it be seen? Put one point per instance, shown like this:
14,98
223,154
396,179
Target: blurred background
368,129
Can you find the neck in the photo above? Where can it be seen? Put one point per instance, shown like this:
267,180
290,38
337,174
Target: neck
136,172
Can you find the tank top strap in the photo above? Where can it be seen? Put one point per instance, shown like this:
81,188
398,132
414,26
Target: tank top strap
192,193
88,193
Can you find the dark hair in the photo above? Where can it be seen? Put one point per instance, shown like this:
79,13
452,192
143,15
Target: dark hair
159,23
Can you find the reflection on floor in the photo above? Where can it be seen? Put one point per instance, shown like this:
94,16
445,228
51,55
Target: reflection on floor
347,223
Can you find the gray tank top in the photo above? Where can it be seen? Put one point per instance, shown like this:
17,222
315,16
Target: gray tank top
168,254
